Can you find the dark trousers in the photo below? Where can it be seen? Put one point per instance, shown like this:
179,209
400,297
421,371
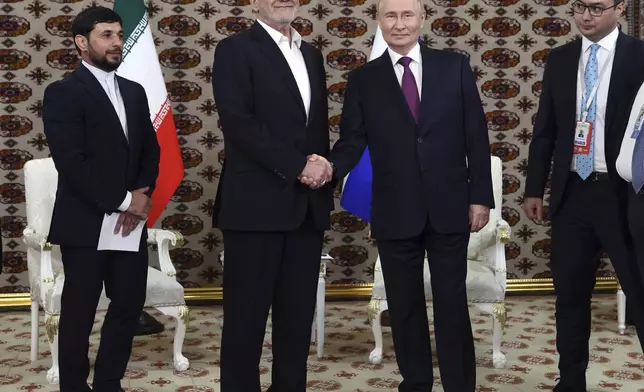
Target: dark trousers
587,222
636,226
402,268
125,277
264,270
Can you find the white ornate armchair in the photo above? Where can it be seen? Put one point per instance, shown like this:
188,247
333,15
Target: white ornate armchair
486,276
46,276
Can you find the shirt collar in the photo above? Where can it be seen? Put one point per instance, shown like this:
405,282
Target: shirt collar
608,42
414,54
278,37
99,73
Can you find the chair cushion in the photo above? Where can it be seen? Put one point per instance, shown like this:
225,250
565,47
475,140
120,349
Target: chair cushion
481,283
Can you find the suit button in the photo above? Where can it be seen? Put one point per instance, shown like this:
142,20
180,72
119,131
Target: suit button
419,140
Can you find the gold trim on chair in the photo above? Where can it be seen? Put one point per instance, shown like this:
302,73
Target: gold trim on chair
184,314
373,309
51,326
500,313
504,235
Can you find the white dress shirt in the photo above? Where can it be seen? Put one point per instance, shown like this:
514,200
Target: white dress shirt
416,66
603,55
625,158
107,80
295,61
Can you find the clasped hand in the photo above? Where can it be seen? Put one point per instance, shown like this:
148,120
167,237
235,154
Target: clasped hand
317,172
138,211
479,217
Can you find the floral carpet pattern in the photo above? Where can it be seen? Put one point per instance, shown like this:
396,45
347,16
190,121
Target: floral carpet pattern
616,361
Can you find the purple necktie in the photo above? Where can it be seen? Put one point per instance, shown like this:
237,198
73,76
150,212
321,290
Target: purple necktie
410,89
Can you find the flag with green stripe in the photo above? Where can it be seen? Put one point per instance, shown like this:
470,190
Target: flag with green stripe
141,64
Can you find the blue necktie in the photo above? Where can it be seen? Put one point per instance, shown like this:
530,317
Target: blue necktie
584,162
637,165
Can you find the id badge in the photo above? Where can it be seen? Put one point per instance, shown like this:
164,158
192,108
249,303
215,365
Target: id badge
583,137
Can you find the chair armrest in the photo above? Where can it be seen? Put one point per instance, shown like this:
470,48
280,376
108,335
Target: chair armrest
503,231
163,239
32,239
39,242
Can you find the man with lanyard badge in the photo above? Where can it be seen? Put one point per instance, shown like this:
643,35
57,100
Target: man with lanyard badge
588,86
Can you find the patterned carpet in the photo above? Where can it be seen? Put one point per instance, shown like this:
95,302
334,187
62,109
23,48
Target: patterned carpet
617,363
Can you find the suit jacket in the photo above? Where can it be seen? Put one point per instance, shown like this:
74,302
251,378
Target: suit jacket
96,163
554,126
267,135
437,167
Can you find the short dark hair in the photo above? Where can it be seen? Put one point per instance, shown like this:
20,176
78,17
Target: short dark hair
87,19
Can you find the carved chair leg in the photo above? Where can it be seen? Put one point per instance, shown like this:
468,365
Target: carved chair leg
35,323
51,323
498,358
621,311
182,315
376,308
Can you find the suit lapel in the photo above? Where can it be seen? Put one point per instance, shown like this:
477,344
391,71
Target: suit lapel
387,76
128,96
96,90
618,75
270,49
431,73
565,82
309,60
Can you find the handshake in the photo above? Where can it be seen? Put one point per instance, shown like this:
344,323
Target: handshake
317,172
138,211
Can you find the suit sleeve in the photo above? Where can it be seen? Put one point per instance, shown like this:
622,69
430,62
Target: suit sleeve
348,149
233,90
477,143
544,136
64,127
150,153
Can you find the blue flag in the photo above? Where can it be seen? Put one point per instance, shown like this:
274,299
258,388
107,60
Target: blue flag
356,191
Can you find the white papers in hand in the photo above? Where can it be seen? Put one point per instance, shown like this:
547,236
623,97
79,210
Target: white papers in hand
110,241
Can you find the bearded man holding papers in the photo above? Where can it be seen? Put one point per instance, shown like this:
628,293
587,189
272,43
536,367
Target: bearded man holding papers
106,153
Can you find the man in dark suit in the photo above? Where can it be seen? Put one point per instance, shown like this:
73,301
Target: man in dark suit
588,87
270,91
419,111
105,150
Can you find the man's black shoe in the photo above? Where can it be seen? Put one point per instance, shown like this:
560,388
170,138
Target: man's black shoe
148,325
561,387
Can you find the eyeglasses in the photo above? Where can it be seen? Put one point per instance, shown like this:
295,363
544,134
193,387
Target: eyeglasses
594,10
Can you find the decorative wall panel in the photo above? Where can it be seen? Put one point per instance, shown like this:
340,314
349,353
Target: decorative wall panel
507,41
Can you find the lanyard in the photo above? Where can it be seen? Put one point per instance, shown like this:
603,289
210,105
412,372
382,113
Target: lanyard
637,127
589,99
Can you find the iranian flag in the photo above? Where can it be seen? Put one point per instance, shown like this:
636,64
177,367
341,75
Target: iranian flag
141,64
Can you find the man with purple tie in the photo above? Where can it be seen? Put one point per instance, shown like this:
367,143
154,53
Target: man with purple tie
419,112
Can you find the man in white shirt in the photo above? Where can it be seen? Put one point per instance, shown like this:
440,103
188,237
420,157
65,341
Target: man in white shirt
630,166
106,153
270,90
588,86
